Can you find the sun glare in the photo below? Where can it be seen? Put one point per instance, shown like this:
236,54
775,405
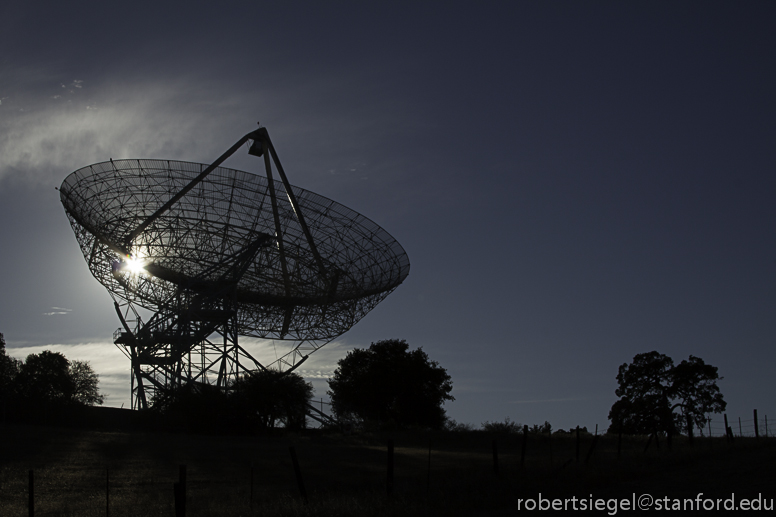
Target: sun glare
135,265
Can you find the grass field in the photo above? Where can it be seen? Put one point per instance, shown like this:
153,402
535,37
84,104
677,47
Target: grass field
346,475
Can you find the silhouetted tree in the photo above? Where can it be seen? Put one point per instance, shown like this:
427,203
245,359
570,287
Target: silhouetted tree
50,378
651,389
262,399
85,380
695,392
9,368
505,427
194,407
390,383
546,427
271,397
45,379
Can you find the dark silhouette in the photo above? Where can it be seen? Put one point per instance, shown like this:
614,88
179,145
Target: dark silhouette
390,384
657,396
85,382
9,367
45,386
273,397
193,407
45,379
505,427
212,251
696,393
257,402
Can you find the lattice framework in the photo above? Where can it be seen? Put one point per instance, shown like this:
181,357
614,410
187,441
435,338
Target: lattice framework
225,253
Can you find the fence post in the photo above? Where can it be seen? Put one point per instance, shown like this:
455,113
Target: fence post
727,428
549,444
389,470
182,481
31,493
577,444
107,492
689,428
495,458
756,427
590,452
709,427
428,472
298,474
649,441
251,490
179,491
525,442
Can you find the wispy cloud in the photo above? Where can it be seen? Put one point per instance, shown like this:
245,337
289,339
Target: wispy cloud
58,310
52,125
316,374
44,137
544,401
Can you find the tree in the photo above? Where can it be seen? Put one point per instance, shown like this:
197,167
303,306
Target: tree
505,427
45,379
261,399
696,393
651,389
50,378
85,382
195,407
390,383
9,368
271,396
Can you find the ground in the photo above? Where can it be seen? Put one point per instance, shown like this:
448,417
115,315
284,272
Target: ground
88,473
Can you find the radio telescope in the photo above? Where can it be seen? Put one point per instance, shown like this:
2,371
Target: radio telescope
196,256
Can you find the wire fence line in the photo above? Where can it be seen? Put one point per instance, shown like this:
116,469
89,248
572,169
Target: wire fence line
742,427
120,490
714,428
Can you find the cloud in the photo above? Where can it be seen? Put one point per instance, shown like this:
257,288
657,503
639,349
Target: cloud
51,125
113,367
316,374
543,401
42,138
58,310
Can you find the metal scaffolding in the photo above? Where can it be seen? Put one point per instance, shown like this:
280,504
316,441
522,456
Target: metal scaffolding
216,253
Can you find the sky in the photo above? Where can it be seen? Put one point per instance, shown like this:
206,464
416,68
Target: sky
575,183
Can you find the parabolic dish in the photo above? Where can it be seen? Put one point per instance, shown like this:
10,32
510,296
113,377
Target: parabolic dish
226,216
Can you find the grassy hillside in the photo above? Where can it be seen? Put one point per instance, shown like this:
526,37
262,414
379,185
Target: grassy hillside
346,475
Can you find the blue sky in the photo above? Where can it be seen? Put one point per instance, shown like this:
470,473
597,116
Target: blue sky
574,182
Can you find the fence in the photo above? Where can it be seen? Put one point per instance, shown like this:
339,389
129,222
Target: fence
758,427
279,472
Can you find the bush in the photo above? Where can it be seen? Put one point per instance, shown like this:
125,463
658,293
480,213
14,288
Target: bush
458,427
505,427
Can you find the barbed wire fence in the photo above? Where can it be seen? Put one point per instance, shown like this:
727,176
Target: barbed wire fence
756,427
117,490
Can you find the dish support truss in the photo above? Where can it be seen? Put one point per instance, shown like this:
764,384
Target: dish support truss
193,337
191,340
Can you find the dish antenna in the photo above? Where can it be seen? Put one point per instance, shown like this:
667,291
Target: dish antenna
215,254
